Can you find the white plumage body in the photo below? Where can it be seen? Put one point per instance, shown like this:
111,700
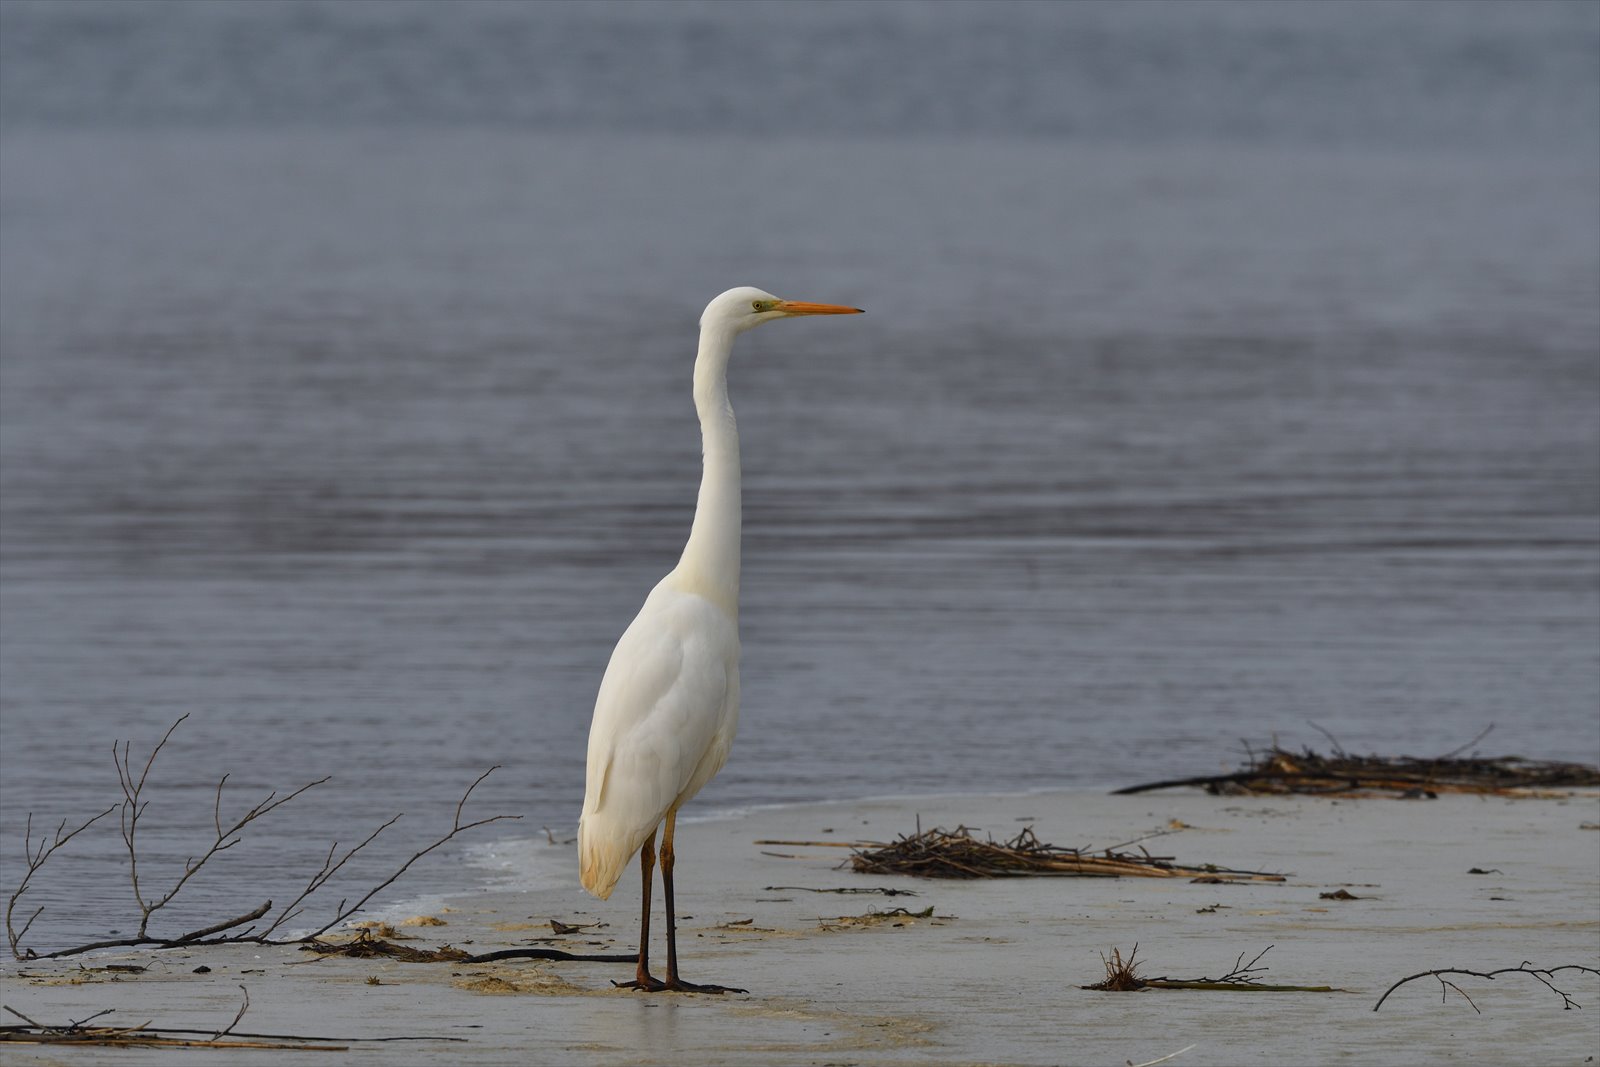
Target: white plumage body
663,725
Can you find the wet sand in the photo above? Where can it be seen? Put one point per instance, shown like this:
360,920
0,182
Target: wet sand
992,977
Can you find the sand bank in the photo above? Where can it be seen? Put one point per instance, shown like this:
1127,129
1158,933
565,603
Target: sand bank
992,977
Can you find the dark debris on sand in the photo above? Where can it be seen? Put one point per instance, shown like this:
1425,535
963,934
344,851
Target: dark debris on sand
1278,771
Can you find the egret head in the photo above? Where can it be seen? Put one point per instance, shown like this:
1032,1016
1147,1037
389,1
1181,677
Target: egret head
737,310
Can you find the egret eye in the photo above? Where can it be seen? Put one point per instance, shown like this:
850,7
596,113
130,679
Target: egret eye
757,304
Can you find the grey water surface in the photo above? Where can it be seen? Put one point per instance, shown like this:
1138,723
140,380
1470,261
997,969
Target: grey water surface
1227,368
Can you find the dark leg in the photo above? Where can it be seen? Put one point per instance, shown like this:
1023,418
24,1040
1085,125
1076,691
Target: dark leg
667,859
673,981
642,979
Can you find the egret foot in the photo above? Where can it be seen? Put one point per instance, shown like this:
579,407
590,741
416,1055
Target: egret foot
649,984
678,985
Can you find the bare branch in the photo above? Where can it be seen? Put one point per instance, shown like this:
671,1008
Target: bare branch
1243,974
1545,975
458,828
1246,973
36,858
463,801
194,865
133,809
227,834
321,878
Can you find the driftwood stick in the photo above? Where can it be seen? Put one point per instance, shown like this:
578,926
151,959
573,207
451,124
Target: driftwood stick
121,942
228,925
1277,770
550,954
152,1040
847,889
1237,987
1175,783
24,1018
267,1037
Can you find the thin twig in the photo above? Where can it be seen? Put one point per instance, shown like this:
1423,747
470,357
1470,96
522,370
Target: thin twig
77,1024
1338,749
1109,849
1445,985
220,1034
1485,732
1163,1059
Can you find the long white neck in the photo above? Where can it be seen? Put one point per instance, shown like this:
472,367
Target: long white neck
710,562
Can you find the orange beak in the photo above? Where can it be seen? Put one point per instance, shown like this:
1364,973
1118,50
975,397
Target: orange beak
800,307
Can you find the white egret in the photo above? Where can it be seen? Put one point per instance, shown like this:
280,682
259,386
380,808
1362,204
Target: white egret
669,702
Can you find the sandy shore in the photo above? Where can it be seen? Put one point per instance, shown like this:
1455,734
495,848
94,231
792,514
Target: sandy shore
992,978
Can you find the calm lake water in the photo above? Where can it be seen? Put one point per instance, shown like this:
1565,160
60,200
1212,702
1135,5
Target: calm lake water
1228,368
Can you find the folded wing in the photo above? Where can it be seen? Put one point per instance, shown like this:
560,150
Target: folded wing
663,724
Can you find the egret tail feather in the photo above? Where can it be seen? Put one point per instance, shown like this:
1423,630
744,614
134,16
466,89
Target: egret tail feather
603,856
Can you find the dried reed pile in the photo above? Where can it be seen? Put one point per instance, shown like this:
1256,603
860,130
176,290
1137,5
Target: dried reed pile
940,853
